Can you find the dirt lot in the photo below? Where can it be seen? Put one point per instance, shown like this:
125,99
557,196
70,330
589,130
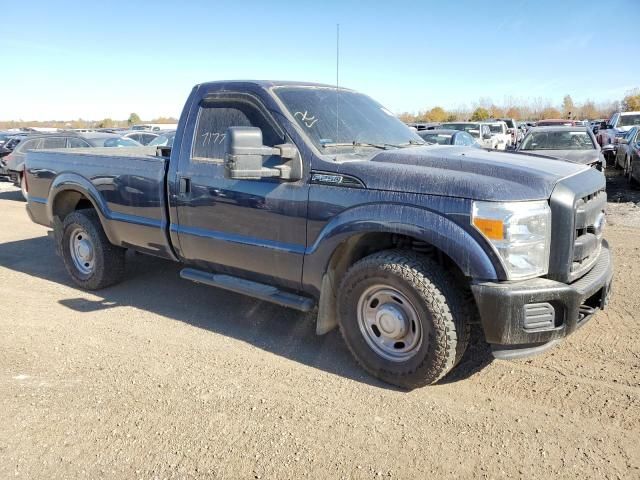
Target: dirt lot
161,378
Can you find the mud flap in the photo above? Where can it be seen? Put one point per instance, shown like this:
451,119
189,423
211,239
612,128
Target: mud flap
58,232
327,306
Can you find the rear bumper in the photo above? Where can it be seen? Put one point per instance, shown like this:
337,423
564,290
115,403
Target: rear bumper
509,310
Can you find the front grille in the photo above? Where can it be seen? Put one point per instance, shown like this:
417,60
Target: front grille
577,205
589,221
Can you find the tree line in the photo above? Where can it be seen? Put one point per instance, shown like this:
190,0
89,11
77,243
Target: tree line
536,109
133,119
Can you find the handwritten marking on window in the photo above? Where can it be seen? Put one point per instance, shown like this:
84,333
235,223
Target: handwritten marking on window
214,138
308,120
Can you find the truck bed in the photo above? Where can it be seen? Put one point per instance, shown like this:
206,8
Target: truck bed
127,186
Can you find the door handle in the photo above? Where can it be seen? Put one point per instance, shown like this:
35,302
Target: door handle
184,185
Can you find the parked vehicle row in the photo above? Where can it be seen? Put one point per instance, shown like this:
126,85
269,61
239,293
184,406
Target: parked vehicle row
12,162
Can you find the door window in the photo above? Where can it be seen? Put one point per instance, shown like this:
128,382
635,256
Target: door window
54,142
31,145
217,115
466,139
76,143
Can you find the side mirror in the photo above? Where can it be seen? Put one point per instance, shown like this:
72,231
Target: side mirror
245,155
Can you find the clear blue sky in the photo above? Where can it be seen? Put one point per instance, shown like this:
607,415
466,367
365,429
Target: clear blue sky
90,59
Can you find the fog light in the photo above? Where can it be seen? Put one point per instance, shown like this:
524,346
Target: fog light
539,316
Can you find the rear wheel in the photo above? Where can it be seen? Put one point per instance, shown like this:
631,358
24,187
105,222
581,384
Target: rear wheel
91,260
403,318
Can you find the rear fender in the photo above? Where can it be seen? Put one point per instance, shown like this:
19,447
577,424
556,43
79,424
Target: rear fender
77,183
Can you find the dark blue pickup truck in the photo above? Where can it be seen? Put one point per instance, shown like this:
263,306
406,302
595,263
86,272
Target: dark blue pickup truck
314,197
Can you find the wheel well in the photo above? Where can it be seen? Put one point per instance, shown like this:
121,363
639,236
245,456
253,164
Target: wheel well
69,201
360,246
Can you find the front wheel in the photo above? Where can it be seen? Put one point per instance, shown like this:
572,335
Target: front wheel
403,318
91,260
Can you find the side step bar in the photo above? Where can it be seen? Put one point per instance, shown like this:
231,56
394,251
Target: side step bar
257,290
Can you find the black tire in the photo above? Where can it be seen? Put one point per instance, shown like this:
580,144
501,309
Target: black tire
107,259
443,311
23,186
627,164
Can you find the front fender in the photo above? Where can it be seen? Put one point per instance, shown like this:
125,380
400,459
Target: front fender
426,225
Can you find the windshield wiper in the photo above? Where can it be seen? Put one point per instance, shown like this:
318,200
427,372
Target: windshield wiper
381,146
411,143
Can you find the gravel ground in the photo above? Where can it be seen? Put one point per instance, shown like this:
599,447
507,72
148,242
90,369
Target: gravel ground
161,378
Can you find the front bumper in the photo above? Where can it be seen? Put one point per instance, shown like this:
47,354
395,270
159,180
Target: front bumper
503,308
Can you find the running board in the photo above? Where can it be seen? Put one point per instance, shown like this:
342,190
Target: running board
257,290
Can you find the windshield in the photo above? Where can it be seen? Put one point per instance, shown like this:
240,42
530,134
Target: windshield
472,128
164,140
629,120
439,138
496,128
566,140
334,120
509,123
113,142
629,135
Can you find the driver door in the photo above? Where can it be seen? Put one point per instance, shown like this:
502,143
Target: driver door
254,229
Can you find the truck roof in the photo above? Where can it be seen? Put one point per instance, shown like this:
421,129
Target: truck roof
272,83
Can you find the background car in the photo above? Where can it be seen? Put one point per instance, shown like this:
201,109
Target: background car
625,148
104,139
512,129
550,122
163,140
576,144
14,162
424,125
499,131
480,131
142,137
4,136
14,140
448,137
633,170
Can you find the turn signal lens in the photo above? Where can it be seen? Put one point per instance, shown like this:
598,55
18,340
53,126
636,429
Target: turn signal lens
492,229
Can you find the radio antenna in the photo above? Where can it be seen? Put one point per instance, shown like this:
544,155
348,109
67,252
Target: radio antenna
337,79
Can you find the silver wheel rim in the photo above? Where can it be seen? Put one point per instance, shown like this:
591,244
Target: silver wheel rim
389,323
82,251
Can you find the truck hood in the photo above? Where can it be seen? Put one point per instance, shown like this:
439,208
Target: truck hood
465,172
585,157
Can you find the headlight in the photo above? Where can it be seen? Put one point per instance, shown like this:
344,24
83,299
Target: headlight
520,233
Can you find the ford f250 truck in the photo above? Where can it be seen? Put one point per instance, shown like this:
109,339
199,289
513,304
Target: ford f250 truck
319,199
